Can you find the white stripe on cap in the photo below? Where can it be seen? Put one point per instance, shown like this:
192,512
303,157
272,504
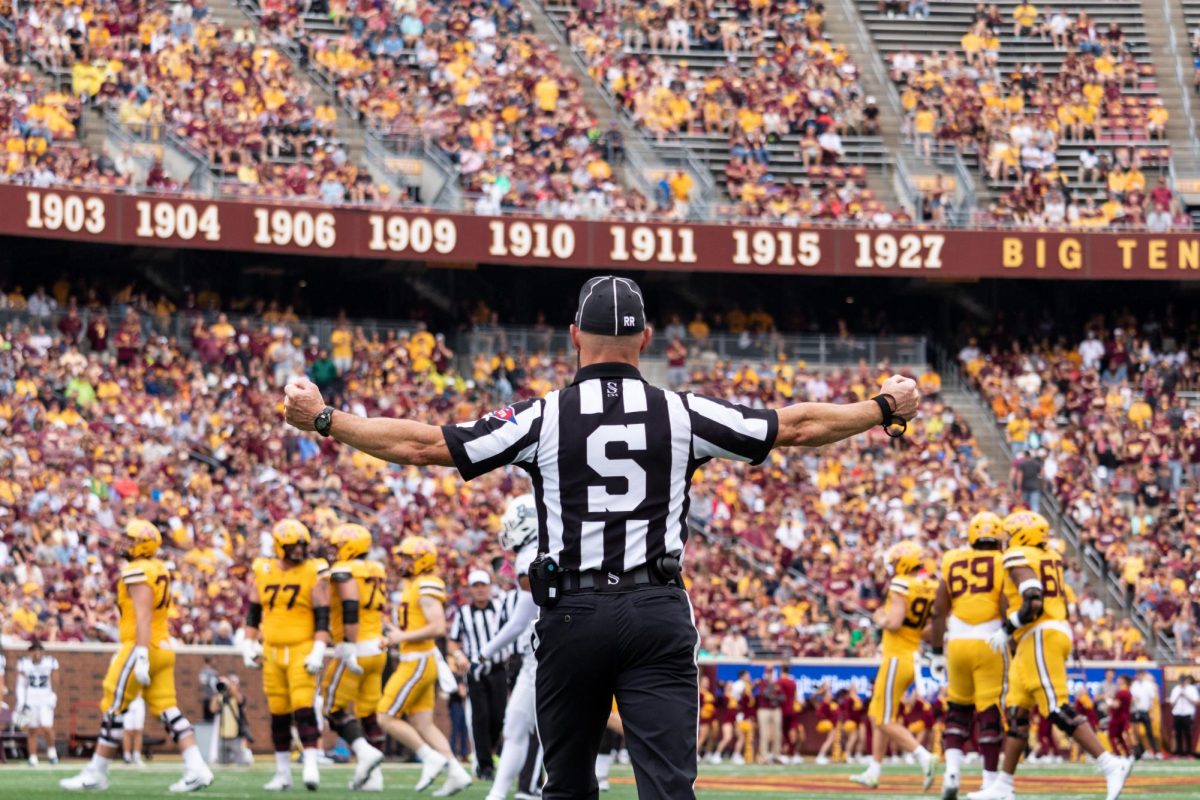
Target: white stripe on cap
592,284
616,313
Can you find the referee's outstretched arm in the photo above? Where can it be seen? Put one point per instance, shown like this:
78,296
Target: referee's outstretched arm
407,442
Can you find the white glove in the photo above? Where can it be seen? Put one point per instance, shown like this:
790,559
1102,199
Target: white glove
937,666
348,654
316,658
998,641
251,650
141,665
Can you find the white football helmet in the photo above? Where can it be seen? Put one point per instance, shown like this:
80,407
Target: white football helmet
519,526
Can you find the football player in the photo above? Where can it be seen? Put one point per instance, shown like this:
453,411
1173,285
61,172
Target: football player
287,633
1034,588
356,675
518,535
145,664
968,609
36,700
409,694
903,617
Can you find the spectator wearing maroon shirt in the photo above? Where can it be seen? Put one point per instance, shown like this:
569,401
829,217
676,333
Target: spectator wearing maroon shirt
71,325
1119,712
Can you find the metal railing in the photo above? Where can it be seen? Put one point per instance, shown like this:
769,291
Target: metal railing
815,350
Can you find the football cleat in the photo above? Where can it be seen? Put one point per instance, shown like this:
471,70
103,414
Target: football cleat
367,766
950,785
311,775
994,791
430,770
455,783
1116,776
927,772
866,779
192,782
280,783
86,780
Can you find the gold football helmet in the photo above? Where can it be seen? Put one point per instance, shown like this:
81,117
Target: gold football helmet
288,533
420,552
142,539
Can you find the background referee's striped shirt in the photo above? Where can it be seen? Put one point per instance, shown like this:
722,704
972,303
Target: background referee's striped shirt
611,459
474,627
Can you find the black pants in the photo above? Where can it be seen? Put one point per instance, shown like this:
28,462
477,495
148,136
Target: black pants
1142,718
640,647
488,696
1183,735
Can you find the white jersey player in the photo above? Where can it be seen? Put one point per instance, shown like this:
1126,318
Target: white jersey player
36,700
519,534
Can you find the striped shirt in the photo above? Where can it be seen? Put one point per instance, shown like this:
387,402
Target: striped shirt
611,460
474,626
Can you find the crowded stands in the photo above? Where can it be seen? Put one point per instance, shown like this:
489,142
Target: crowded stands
1106,425
479,84
107,416
762,78
1073,138
170,71
38,128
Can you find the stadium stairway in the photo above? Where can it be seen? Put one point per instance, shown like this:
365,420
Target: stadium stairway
845,25
1177,18
348,131
639,150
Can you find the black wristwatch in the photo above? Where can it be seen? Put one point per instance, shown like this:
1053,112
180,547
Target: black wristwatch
893,425
323,421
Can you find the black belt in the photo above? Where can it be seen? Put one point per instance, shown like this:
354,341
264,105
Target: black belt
597,580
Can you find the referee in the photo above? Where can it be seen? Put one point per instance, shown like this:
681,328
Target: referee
611,459
476,624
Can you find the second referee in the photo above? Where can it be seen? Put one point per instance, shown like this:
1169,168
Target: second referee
611,460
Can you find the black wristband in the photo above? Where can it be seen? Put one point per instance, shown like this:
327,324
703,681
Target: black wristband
254,616
937,651
893,425
321,619
349,612
885,408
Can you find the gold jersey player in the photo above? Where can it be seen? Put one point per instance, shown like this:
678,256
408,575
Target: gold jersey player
355,677
288,626
1037,621
144,665
969,608
903,618
406,708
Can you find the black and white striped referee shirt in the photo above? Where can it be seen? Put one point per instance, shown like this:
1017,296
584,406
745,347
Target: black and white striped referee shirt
611,459
473,627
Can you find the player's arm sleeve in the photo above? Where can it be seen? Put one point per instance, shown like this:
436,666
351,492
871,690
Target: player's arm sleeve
724,430
134,575
507,436
22,683
432,587
340,574
518,621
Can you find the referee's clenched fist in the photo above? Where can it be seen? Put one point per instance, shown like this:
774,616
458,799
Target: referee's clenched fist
611,460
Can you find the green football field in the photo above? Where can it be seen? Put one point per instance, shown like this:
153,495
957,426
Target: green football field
1171,780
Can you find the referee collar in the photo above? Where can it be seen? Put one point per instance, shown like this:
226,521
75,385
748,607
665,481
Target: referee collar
609,369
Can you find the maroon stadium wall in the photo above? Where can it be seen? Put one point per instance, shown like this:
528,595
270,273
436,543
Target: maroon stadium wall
373,233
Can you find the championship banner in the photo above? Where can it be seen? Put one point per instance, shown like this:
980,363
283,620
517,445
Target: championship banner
457,240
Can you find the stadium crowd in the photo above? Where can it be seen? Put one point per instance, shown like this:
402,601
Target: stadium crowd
1016,122
1104,425
781,78
108,416
476,81
172,70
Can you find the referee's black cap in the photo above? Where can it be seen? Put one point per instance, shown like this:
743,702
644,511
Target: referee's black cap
611,306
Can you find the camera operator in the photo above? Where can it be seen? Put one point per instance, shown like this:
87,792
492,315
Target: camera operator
227,706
